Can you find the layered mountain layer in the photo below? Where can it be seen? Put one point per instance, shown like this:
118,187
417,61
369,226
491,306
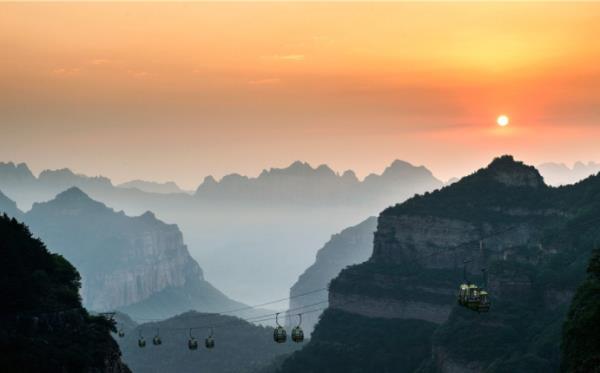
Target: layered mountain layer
138,263
238,226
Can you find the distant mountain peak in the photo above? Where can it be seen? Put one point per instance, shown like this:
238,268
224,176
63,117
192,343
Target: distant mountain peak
148,216
350,175
71,194
507,171
20,170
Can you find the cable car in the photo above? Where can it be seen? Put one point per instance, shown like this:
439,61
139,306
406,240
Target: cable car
192,342
156,340
297,333
141,340
121,333
209,342
471,296
279,334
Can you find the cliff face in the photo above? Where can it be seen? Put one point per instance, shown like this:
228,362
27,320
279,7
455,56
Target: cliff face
123,260
532,239
45,328
351,246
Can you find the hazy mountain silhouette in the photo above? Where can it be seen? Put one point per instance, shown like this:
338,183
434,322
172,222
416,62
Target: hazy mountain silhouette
536,244
124,260
152,187
560,174
238,226
301,184
44,327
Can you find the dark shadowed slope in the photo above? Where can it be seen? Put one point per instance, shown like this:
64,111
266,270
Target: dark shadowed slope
581,331
44,328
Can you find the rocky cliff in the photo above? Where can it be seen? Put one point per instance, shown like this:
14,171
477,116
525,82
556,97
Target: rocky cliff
123,260
534,241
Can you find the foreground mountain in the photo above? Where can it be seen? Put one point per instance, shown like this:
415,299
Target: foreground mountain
239,345
44,327
351,246
125,261
398,312
581,331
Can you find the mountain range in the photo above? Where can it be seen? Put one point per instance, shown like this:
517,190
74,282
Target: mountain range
138,264
238,226
397,311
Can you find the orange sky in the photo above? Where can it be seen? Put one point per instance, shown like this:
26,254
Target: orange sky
178,91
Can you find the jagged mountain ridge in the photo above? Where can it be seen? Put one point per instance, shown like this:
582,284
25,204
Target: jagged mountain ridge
45,328
534,267
124,261
301,183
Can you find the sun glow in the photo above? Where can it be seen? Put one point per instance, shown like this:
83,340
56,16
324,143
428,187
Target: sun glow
502,121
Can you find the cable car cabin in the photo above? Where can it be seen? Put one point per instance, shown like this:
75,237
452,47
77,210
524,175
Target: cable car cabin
469,296
297,334
209,342
156,341
141,342
192,343
121,333
279,334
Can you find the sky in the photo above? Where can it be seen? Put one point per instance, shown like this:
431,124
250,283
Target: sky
164,91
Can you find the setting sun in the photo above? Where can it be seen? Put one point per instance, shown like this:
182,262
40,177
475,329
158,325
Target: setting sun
502,120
